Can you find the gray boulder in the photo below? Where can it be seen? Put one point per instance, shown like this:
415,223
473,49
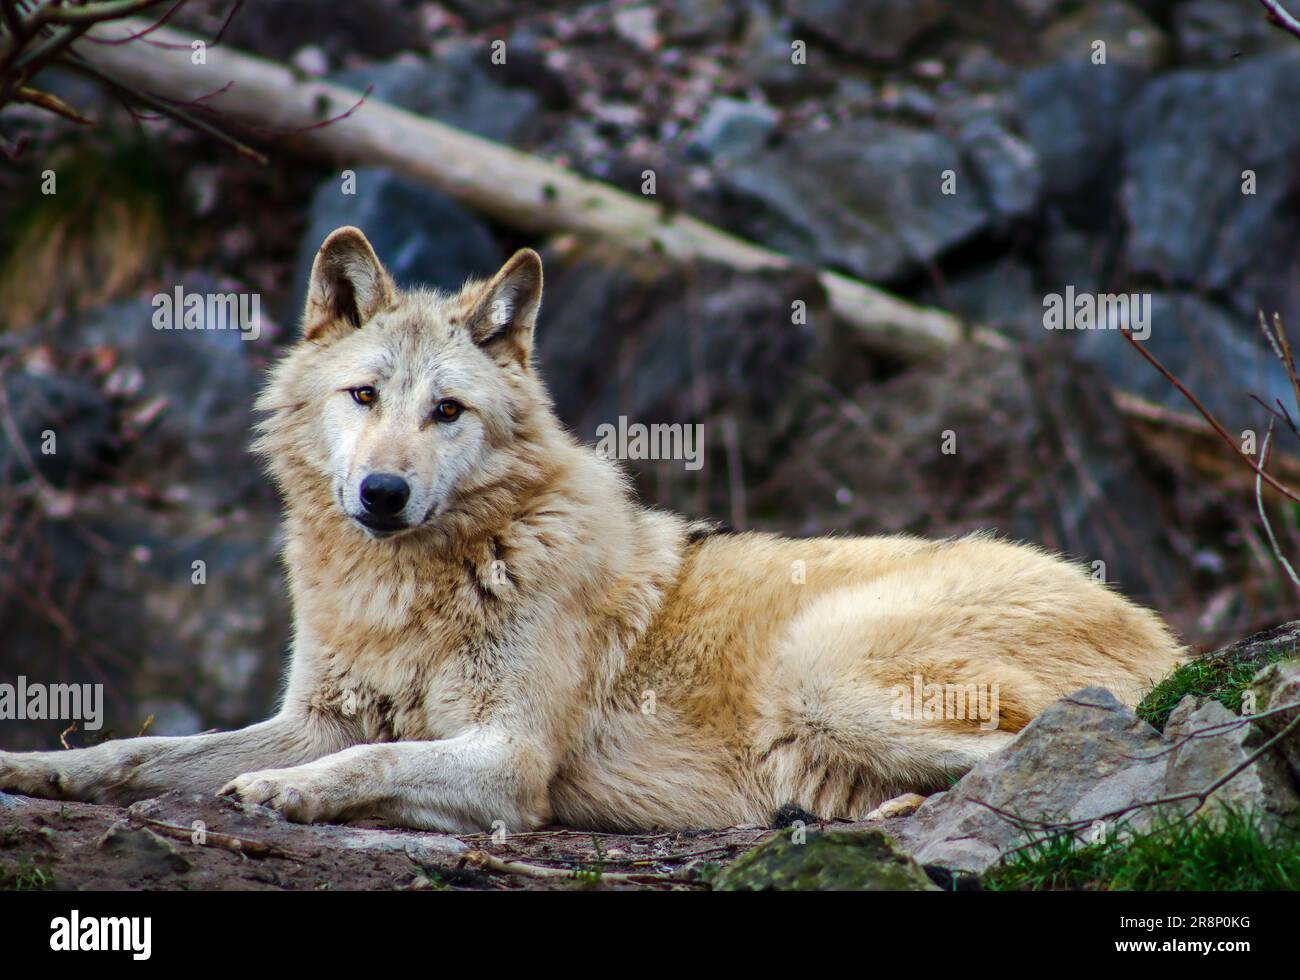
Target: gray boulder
1276,686
1072,114
1080,760
458,86
879,30
80,417
422,236
1213,351
1188,140
1210,742
866,197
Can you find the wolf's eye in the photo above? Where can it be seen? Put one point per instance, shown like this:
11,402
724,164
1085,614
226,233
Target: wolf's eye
447,410
365,395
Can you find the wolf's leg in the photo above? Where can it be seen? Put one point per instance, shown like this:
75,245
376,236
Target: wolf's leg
463,784
126,770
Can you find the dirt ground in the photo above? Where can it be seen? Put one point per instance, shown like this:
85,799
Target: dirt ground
200,843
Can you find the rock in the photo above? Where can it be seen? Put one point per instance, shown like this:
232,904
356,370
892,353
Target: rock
638,25
1256,646
866,197
1277,685
1042,9
1082,758
1002,294
183,490
1216,31
483,13
978,69
459,87
831,861
702,345
878,30
422,236
1072,114
1080,255
276,28
207,380
733,129
1130,37
147,854
1198,760
765,58
1192,135
840,471
1212,351
1006,168
643,315
1089,758
80,418
687,21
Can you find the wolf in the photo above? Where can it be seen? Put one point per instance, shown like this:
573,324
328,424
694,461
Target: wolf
490,632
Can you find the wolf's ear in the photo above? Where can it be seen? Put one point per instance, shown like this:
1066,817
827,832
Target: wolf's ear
348,285
502,318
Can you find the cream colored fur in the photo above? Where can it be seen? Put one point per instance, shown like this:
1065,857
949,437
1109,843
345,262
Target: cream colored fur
539,647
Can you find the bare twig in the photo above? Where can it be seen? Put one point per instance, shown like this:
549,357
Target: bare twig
1263,515
490,862
1277,339
165,108
1278,16
1205,414
1201,796
228,842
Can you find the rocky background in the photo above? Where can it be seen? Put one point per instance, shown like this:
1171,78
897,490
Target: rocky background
1122,177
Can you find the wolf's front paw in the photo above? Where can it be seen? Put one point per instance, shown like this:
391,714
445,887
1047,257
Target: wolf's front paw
29,774
297,793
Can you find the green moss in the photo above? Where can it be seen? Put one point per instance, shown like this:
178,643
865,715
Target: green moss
832,861
1223,676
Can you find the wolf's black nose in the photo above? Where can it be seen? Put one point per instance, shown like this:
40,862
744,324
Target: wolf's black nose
384,494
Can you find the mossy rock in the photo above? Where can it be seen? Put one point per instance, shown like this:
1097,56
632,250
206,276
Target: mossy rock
833,861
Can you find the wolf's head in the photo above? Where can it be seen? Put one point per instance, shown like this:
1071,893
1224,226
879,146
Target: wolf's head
408,409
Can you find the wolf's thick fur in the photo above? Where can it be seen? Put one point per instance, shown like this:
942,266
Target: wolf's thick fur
531,645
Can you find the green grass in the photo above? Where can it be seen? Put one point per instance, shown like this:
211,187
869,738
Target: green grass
26,876
1223,676
1229,853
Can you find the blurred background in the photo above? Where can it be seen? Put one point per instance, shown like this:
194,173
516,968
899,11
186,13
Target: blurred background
1122,177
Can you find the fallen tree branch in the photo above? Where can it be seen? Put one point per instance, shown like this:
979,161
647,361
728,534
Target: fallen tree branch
490,862
515,188
212,838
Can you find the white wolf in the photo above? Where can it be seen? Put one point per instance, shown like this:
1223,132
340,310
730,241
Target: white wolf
487,627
